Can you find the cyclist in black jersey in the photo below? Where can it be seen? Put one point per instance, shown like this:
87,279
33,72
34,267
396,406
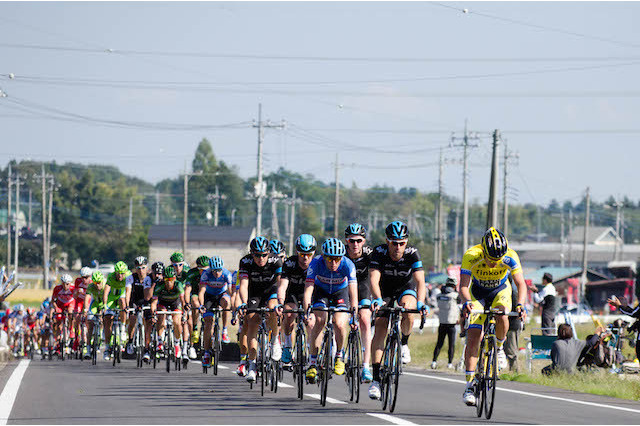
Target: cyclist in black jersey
135,296
396,275
291,287
360,254
259,273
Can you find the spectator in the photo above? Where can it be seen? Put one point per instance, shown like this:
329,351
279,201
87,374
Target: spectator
511,345
546,298
566,351
448,315
632,312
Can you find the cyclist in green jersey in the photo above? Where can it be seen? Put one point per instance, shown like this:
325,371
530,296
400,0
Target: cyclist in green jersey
169,296
191,292
94,303
115,289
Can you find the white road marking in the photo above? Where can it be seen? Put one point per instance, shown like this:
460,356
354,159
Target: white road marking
392,419
8,396
330,400
284,385
536,395
222,367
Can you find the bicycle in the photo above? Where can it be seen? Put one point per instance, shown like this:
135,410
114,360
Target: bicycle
352,364
264,349
169,343
153,345
391,364
116,336
138,333
325,355
96,338
486,373
216,340
300,351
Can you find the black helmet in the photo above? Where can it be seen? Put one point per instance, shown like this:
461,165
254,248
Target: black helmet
140,261
397,231
157,268
355,229
494,244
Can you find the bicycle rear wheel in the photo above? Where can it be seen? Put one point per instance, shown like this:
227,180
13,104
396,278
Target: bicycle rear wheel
325,366
169,350
490,375
262,360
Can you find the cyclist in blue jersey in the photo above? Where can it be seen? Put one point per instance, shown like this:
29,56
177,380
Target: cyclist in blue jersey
397,276
214,285
331,281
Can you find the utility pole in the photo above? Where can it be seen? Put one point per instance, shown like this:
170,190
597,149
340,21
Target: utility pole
130,214
17,231
456,237
583,280
260,190
49,216
615,248
492,206
562,239
233,217
45,266
9,180
293,222
185,212
336,212
437,252
508,156
465,199
274,196
157,221
216,197
29,222
569,239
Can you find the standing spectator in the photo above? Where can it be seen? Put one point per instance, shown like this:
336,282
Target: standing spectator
546,298
448,315
511,345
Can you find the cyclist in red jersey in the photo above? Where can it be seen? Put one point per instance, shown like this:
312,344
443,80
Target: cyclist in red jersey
79,293
62,300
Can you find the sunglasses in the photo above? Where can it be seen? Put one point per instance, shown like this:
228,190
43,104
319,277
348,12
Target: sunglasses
355,240
399,243
260,254
333,258
178,264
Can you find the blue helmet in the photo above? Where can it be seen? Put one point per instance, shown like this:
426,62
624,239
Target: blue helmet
397,231
306,244
333,247
355,229
216,262
259,245
276,246
45,304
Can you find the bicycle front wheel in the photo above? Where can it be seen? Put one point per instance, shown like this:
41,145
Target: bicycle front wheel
300,362
395,370
479,378
216,347
325,366
490,376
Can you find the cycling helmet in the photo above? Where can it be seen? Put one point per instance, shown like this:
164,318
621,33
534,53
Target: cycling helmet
121,268
20,307
216,262
333,247
15,308
306,244
276,246
85,272
259,245
177,257
140,261
355,229
97,277
494,244
66,278
169,272
157,268
202,261
31,310
397,231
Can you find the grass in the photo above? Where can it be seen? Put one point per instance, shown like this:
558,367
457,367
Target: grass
599,382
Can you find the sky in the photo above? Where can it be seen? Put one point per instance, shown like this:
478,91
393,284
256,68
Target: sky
384,85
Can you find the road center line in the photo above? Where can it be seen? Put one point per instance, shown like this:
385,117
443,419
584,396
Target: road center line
330,400
537,395
284,385
392,419
10,391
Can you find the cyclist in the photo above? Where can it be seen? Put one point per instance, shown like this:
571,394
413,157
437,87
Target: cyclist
156,277
396,276
115,290
331,282
191,296
277,247
94,304
17,319
259,273
135,296
484,283
214,287
31,329
80,291
62,301
182,267
291,287
169,296
360,254
45,324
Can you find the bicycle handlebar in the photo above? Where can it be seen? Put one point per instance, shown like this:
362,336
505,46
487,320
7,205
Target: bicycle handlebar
494,312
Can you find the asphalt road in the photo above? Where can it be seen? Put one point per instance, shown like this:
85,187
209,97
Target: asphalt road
74,392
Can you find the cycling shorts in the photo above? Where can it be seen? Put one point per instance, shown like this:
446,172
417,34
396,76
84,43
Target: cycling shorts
170,305
364,294
398,293
295,299
261,301
482,298
79,305
59,307
212,301
322,299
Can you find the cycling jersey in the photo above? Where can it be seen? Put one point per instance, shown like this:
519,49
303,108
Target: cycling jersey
97,296
215,286
331,281
297,277
62,298
80,289
137,288
235,281
362,274
396,276
489,287
166,296
263,281
117,287
192,279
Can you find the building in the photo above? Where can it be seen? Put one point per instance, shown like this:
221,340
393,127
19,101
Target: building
230,243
